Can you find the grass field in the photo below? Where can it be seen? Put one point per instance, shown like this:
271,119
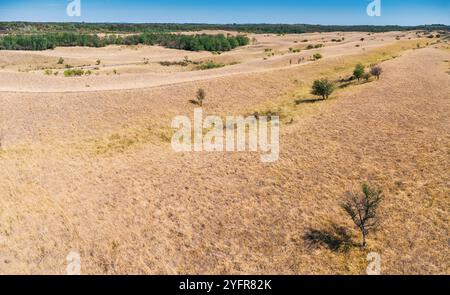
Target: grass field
87,164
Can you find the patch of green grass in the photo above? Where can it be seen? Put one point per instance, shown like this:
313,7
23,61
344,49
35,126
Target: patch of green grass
73,73
210,65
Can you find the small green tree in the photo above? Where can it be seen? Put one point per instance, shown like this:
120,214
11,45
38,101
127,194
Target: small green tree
201,95
60,61
359,71
362,209
323,88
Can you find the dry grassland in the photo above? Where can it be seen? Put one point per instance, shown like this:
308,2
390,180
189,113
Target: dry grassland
90,169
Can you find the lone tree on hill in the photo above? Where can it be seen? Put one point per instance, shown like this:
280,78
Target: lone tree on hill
362,209
323,88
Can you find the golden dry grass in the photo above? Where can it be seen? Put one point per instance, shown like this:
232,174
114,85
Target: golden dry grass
92,171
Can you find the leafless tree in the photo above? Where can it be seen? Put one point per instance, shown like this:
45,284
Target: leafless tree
362,209
201,95
376,71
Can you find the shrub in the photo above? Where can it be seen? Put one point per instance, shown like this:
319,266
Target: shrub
362,209
317,56
98,62
210,65
60,61
201,95
359,71
73,72
173,63
376,71
48,72
323,88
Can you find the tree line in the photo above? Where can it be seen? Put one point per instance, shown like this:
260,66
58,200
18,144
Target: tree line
29,27
197,42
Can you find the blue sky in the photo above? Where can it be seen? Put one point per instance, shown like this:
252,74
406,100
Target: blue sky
341,12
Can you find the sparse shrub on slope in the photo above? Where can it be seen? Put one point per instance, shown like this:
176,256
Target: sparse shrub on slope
317,56
210,65
323,88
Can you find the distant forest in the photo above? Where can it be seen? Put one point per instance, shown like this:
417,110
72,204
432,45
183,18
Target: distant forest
43,41
27,27
42,36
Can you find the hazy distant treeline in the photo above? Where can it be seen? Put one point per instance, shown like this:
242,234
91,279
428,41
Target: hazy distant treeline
25,27
43,41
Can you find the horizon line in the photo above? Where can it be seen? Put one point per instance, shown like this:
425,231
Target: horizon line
220,24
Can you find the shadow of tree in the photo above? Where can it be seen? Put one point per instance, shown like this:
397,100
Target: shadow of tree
308,100
335,238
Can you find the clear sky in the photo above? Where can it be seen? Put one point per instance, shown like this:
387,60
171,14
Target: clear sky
340,12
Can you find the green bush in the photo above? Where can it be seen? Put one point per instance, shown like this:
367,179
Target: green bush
210,65
317,56
358,72
73,72
323,88
60,61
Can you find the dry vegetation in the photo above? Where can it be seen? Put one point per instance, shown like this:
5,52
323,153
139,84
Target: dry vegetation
90,169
